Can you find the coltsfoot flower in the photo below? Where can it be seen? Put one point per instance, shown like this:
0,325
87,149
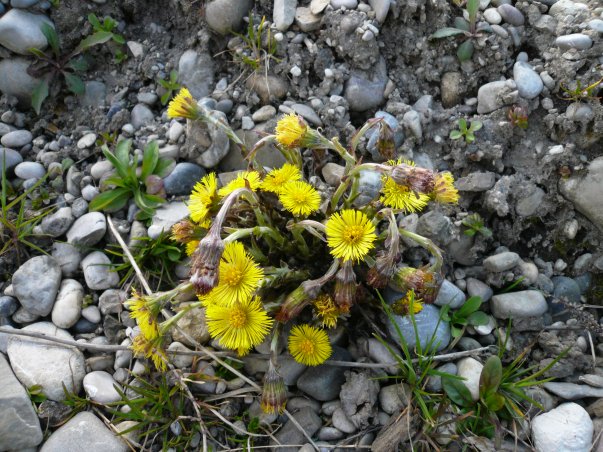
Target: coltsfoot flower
183,106
422,281
250,179
239,326
145,312
350,235
445,191
408,304
299,198
326,311
277,178
308,345
151,349
291,130
203,197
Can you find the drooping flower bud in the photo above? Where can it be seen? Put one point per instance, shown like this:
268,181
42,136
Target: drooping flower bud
424,282
385,143
417,179
297,300
379,274
274,392
345,287
205,262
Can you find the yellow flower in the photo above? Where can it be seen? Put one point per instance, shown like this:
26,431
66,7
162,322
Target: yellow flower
203,196
444,191
350,234
240,275
326,311
191,247
401,197
145,316
291,130
151,349
183,106
275,179
244,179
299,198
309,345
239,326
407,304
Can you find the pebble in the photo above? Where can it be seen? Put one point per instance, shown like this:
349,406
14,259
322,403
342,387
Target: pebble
17,138
267,87
183,178
394,397
364,91
529,84
309,421
329,434
566,289
369,184
495,95
92,314
37,362
349,4
20,31
518,305
332,173
565,428
29,170
147,98
381,8
412,123
180,361
591,379
89,192
19,423
111,301
450,295
531,201
84,432
577,41
428,325
283,13
36,283
67,256
452,89
470,369
87,230
68,305
305,20
8,305
100,387
511,15
10,156
15,80
166,216
307,113
584,191
98,273
373,135
225,16
196,71
566,8
141,116
95,94
100,168
264,113
86,141
318,6
492,16
324,382
193,323
341,421
596,24
434,382
477,288
175,132
502,261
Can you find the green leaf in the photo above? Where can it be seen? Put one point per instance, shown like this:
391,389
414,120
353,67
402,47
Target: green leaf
478,318
491,376
38,95
115,180
470,232
472,8
455,134
121,171
463,125
455,331
164,167
78,64
446,32
469,137
462,24
74,83
94,21
110,201
475,126
173,255
119,39
494,401
465,51
165,97
149,159
457,392
51,36
38,53
122,152
99,37
471,305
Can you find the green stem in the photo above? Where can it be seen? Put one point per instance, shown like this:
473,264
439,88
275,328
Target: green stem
166,325
428,245
301,242
257,231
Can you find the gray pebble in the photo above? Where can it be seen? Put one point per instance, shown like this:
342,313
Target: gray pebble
577,41
450,295
67,256
87,230
86,141
20,31
518,305
183,178
98,272
529,83
68,305
29,170
36,283
57,223
566,289
511,15
17,138
502,261
100,387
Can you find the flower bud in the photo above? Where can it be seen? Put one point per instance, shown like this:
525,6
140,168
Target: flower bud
424,282
419,180
379,274
205,263
385,143
345,287
297,300
274,392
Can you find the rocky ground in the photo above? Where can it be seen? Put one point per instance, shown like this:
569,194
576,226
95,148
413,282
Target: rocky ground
336,63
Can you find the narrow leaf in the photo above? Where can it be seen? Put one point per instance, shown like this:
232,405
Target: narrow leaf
446,32
39,94
110,201
164,167
149,159
472,8
99,37
122,152
74,83
51,36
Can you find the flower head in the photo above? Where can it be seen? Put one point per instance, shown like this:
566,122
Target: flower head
239,326
277,178
244,179
345,287
145,312
408,304
420,180
309,345
183,106
401,197
326,311
299,198
191,247
183,231
151,349
203,197
274,392
350,235
444,191
291,130
424,282
240,275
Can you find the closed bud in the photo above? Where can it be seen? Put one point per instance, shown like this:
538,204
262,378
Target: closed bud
385,143
274,392
379,274
345,287
205,263
297,300
419,180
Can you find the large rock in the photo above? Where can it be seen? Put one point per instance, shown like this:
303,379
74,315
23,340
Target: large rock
365,90
19,424
567,428
225,16
196,72
428,326
291,434
324,382
15,80
48,364
36,284
586,192
20,31
85,432
166,216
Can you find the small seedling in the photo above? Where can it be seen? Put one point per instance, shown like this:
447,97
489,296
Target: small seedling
108,25
462,27
580,93
467,314
170,85
475,224
464,131
518,116
259,45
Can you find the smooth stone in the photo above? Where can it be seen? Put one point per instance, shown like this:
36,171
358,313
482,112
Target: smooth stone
23,316
283,13
147,98
567,8
592,380
180,361
307,113
67,256
369,184
87,230
566,428
585,192
9,157
566,289
20,31
84,326
86,141
332,173
577,41
381,8
330,434
100,387
452,88
92,314
434,382
428,325
596,24
226,16
23,3
502,261
470,369
84,432
50,365
324,382
95,94
511,15
318,6
192,324
8,305
175,132
68,305
183,178
17,139
36,283
97,271
531,202
394,397
196,141
518,305
166,216
111,301
495,95
450,295
305,20
141,116
529,84
29,170
196,72
268,88
15,80
349,4
57,223
310,423
363,93
476,182
573,391
264,113
492,16
19,424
